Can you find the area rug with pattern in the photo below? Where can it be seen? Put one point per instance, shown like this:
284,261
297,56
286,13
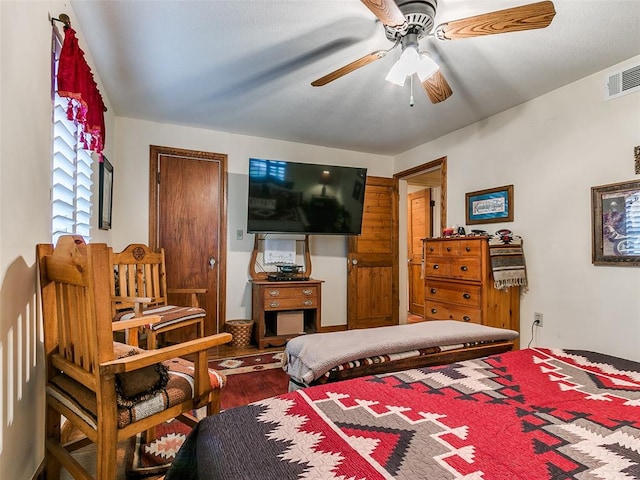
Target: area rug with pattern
144,459
248,363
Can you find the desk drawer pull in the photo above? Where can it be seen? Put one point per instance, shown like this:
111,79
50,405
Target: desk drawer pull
274,304
307,291
464,268
468,249
434,310
466,296
307,302
433,290
436,266
274,293
466,318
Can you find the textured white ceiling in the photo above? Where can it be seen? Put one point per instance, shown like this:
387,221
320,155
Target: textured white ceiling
245,66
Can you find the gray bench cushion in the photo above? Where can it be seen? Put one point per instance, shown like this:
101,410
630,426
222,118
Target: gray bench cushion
308,357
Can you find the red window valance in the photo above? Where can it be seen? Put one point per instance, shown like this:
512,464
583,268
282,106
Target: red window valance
76,82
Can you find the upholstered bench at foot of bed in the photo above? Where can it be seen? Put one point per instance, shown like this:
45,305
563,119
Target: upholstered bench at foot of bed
328,357
394,362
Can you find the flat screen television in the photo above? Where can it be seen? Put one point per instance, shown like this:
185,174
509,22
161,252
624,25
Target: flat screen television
304,198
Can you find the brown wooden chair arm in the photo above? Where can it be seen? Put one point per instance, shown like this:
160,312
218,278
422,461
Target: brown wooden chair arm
135,322
186,290
193,292
150,357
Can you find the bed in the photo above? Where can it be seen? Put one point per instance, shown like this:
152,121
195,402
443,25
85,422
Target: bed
526,414
328,357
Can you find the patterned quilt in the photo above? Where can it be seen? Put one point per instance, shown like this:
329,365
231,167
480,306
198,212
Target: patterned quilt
527,414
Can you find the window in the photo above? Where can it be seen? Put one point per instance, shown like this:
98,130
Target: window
72,167
267,169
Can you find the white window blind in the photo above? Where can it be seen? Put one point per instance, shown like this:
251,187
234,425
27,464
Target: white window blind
72,169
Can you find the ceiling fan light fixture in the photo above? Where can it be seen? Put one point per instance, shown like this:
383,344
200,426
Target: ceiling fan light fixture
411,62
406,65
427,67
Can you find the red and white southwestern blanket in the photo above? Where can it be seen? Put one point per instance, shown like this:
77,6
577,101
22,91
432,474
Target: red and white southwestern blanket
528,414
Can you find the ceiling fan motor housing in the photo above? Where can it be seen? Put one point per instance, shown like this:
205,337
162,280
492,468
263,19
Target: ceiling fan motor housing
419,14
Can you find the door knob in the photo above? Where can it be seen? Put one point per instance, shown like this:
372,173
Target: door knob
212,262
354,261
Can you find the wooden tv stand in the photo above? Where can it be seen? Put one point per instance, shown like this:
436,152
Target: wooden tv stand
271,298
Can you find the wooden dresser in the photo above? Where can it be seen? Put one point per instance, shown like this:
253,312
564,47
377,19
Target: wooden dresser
459,284
271,299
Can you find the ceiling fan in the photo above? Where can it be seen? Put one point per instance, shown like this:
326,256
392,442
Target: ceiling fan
407,21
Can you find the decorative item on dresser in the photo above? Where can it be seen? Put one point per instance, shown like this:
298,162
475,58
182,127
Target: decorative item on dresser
283,310
459,284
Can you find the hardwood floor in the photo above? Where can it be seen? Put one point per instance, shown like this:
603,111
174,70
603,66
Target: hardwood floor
226,351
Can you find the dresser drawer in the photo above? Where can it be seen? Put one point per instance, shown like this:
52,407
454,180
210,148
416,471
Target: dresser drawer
290,303
432,248
290,292
471,248
448,311
465,268
467,295
437,267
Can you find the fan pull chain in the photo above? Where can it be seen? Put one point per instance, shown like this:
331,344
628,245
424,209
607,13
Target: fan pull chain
411,86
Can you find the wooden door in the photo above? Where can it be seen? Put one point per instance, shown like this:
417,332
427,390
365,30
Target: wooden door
418,227
188,219
372,260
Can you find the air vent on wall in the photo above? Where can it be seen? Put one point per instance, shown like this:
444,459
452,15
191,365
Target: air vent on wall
621,82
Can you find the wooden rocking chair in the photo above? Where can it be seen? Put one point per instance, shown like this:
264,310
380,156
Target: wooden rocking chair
103,388
139,288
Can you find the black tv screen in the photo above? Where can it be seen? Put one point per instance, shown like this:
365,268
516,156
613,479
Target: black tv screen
290,197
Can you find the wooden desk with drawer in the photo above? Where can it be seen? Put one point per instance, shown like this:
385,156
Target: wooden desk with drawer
271,298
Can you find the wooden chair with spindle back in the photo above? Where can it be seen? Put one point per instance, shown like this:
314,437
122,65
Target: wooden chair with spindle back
108,391
139,288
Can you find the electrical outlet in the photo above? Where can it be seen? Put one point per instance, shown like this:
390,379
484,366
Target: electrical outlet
537,319
239,234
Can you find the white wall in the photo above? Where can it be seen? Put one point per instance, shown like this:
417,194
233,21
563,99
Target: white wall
25,220
553,150
131,201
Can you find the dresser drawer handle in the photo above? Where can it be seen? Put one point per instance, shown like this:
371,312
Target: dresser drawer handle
274,304
464,268
448,249
466,318
307,291
307,302
436,266
433,290
274,293
434,310
466,295
431,249
468,249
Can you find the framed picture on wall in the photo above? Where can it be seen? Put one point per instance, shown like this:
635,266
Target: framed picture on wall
616,224
490,206
106,194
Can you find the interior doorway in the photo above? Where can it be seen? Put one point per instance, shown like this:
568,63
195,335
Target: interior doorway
422,196
187,217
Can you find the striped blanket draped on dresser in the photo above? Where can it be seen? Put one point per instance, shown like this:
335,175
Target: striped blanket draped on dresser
507,262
